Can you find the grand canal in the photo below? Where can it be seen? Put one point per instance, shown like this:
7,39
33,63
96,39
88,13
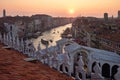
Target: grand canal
51,35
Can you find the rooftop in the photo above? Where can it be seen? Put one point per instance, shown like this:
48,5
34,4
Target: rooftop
13,67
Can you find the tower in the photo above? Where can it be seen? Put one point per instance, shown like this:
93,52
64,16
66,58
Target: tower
4,13
119,14
106,16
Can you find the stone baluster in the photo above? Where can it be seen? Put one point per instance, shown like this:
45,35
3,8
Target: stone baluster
7,39
58,62
39,48
47,55
4,38
38,55
26,47
22,45
54,59
13,42
17,43
29,52
10,40
37,52
32,50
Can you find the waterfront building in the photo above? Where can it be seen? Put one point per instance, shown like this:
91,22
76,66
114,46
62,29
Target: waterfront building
106,16
95,34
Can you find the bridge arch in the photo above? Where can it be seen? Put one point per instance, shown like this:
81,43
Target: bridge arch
106,70
84,55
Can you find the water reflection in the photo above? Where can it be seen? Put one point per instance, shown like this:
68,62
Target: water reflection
51,35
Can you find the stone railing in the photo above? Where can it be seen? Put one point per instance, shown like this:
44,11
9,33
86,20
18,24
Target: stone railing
53,59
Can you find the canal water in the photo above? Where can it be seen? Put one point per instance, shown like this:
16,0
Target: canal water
52,36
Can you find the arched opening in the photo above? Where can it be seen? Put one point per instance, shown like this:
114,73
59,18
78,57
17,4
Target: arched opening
99,64
10,28
114,71
106,70
67,44
66,69
61,67
93,66
80,75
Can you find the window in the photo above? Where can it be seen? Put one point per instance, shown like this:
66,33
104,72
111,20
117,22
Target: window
118,45
10,28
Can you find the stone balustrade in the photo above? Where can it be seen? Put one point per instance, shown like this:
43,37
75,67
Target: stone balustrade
52,58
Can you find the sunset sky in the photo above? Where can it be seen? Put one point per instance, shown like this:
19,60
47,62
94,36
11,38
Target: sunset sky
69,8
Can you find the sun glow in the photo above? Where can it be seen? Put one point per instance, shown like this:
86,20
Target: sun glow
60,8
71,11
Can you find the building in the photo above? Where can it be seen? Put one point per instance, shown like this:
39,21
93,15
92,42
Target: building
4,13
42,21
119,14
98,34
106,16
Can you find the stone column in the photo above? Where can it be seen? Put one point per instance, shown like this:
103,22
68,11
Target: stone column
7,39
10,40
90,64
13,42
22,45
110,71
39,48
33,50
4,38
17,43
